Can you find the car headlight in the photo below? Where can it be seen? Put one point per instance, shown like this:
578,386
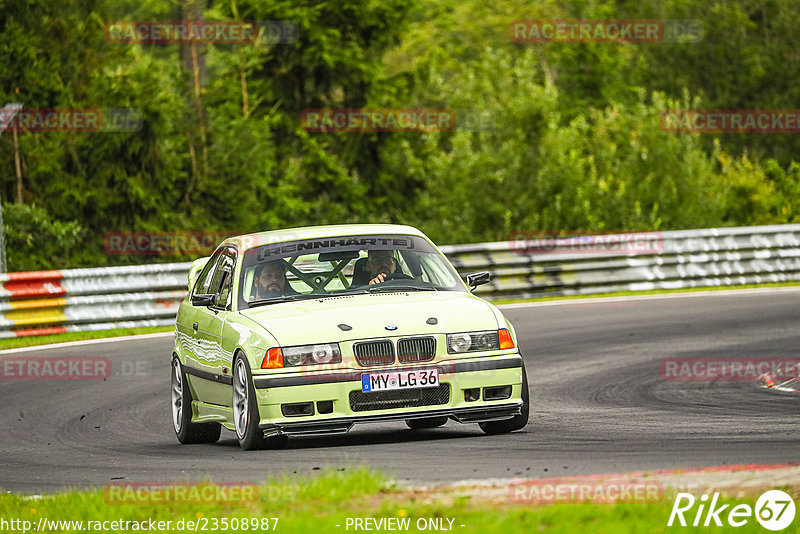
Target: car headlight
312,354
479,341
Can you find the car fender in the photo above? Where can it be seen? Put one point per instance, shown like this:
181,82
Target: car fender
503,322
241,333
178,347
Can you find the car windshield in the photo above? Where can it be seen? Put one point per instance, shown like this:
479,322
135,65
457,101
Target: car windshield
302,269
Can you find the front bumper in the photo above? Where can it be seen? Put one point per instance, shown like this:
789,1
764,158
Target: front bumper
273,392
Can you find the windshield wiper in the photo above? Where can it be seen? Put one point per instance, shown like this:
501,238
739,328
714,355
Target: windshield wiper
386,289
282,298
358,291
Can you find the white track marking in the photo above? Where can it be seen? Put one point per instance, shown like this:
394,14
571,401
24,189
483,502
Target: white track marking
688,294
87,342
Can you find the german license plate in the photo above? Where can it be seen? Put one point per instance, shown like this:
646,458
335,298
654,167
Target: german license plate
422,378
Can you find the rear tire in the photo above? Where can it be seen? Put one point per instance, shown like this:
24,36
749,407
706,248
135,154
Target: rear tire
426,422
187,431
517,422
245,411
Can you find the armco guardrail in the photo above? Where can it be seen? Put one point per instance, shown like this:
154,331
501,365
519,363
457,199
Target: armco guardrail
43,302
684,258
51,302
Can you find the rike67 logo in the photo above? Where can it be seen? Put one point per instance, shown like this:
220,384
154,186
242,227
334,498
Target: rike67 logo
774,510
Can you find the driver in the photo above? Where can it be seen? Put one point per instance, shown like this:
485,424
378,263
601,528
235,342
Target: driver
270,281
382,266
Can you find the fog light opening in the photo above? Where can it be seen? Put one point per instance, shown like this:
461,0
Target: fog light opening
472,394
324,406
496,393
297,409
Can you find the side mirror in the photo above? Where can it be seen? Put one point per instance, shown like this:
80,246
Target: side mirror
194,270
476,279
203,299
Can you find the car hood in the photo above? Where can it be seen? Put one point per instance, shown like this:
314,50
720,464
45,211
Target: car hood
316,321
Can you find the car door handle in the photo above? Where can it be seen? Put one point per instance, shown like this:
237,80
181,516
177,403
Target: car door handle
195,326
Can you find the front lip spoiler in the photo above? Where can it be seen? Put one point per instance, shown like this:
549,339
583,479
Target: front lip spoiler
342,425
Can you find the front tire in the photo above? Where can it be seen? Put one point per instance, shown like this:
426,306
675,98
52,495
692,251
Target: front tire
187,431
245,411
518,421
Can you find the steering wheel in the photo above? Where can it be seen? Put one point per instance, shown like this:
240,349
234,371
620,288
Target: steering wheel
396,276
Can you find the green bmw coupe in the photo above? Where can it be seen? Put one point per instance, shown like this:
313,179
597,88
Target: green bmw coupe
308,331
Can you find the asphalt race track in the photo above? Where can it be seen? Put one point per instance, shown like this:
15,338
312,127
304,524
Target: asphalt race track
599,405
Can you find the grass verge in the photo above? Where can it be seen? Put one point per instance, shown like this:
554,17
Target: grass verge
330,502
16,342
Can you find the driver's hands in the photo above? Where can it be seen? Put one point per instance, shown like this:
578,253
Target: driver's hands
378,279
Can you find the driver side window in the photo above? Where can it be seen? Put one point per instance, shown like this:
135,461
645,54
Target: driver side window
225,278
204,280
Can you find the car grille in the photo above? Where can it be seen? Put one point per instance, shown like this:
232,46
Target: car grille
416,349
400,398
374,352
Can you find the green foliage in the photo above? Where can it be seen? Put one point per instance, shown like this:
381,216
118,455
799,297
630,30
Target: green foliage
35,241
611,169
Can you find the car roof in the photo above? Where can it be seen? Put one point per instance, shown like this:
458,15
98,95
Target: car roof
248,241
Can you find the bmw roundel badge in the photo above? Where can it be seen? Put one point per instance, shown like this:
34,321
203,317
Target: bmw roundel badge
391,327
